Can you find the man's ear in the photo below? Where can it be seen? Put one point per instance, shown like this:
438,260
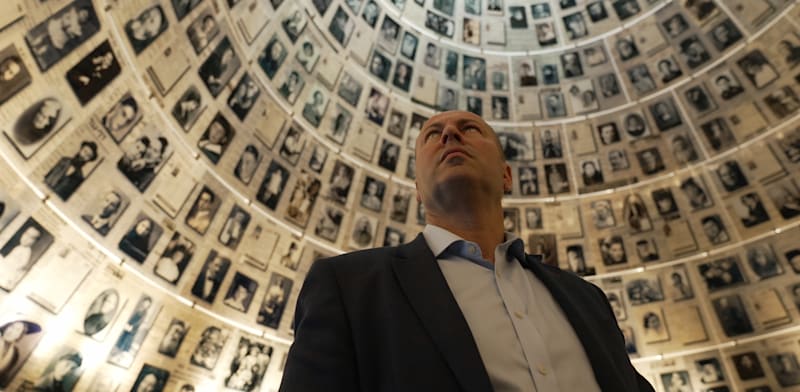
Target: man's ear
419,197
508,180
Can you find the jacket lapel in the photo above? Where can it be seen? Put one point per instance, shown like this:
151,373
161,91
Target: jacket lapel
597,352
426,289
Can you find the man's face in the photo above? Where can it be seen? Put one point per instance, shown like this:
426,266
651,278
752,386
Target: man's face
215,267
216,133
711,228
46,114
110,203
29,237
458,149
86,153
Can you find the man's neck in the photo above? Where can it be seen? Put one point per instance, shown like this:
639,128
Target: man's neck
482,226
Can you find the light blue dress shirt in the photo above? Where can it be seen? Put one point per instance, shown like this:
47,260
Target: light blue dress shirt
524,339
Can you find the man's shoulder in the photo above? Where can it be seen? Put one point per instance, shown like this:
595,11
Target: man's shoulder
361,259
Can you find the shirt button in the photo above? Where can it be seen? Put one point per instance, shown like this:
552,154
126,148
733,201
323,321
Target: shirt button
473,249
518,314
542,370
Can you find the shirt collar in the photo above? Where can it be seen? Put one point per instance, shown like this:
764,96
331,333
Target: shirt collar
442,241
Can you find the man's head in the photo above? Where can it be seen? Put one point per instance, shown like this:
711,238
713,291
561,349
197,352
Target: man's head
66,364
457,150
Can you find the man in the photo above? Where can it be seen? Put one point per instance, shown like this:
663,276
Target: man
54,380
104,219
450,327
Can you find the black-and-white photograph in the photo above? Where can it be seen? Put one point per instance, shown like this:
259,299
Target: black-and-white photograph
678,286
144,154
785,367
575,26
676,381
184,7
546,33
210,346
647,250
731,176
715,230
370,13
240,292
22,251
62,372
665,114
612,250
294,24
373,193
782,101
750,210
389,35
209,280
528,180
626,9
308,54
609,133
763,261
665,204
644,290
293,145
626,47
174,258
675,25
248,365
440,24
654,327
69,172
37,124
557,181
248,162
244,96
650,161
234,227
319,155
151,379
389,155
785,196
571,65
694,190
718,134
105,210
134,332
732,315
146,27
274,302
721,273
203,210
591,172
216,138
14,74
724,34
635,214
339,124
314,108
641,79
203,30
329,223
188,108
693,51
220,66
292,86
342,26
545,245
271,58
20,338
101,312
699,99
271,188
635,126
65,30
757,69
140,238
748,366
577,262
173,338
603,214
93,73
302,200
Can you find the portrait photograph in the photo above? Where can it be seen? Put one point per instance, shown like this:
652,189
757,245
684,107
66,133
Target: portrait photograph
143,156
721,273
556,178
665,204
732,315
654,327
694,52
750,210
302,199
785,196
318,158
203,210
731,176
145,27
37,124
641,79
66,29
314,108
203,29
9,209
207,351
183,7
363,230
106,209
273,184
248,162
389,35
101,312
220,66
210,278
20,337
274,302
93,73
695,192
748,365
782,102
602,214
62,372
341,26
372,195
140,238
122,117
174,258
18,255
402,76
785,367
308,54
150,379
69,172
173,338
715,229
718,134
677,284
294,24
340,182
699,99
378,104
240,292
612,250
329,223
272,57
350,89
14,74
248,365
244,96
758,70
292,86
724,34
188,108
644,290
216,138
134,332
676,381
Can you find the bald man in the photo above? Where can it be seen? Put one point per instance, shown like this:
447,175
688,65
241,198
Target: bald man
461,307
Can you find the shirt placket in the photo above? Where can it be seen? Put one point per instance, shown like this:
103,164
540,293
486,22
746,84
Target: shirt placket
511,283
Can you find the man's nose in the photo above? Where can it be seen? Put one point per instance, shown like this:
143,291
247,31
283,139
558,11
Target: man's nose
451,133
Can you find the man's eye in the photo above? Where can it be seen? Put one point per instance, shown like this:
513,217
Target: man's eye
432,135
471,128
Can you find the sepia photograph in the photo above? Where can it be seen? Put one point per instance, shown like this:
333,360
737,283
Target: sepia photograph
57,36
37,124
220,66
146,27
14,75
93,73
274,302
20,338
134,332
140,238
18,255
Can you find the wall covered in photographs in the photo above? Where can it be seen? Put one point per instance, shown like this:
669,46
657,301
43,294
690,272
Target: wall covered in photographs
172,168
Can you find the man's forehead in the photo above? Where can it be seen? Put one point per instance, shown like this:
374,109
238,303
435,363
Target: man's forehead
454,115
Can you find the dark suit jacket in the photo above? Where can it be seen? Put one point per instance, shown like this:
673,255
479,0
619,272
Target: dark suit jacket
385,320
